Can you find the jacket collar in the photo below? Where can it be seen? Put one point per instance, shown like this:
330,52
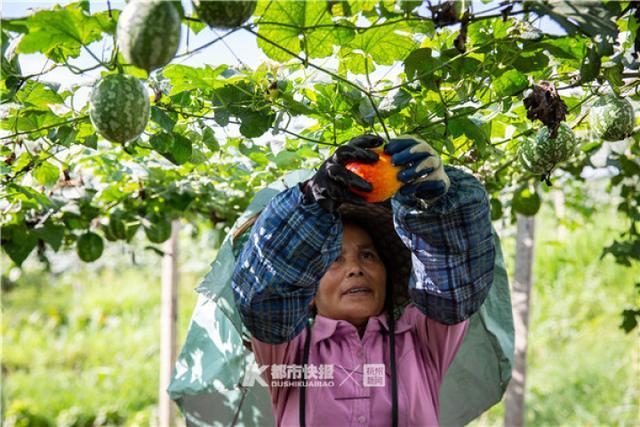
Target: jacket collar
325,327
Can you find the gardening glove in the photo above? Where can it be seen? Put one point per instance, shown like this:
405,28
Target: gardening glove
332,184
423,174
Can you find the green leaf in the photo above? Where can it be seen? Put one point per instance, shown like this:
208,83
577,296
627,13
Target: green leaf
186,78
526,202
510,83
286,159
562,47
107,20
295,107
180,201
46,174
182,99
339,8
344,32
59,33
31,198
408,6
158,229
51,233
165,120
459,67
590,67
28,120
91,141
255,153
122,225
286,24
394,102
38,95
355,62
594,19
18,242
285,39
529,62
161,142
89,247
496,209
255,123
23,162
238,100
613,74
466,126
365,113
420,64
384,44
15,25
180,151
196,26
209,139
630,320
65,136
451,149
175,147
234,97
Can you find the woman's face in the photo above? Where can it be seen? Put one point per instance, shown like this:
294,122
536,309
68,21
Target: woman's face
353,288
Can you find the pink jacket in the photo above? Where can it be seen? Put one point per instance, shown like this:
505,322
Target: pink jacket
345,385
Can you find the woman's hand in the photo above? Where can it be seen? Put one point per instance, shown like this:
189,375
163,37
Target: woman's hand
332,184
422,173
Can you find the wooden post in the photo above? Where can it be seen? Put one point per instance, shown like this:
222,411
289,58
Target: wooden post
168,320
514,401
561,214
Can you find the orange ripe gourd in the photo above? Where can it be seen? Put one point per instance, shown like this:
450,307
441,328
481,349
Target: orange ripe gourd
382,175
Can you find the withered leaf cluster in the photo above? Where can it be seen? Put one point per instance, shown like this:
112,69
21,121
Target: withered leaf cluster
444,13
545,104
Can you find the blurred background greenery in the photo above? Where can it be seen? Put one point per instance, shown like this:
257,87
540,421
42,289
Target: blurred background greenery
81,343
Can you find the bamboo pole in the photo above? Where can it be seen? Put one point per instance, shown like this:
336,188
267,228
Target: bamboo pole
168,320
514,415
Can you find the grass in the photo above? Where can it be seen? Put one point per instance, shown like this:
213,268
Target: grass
87,342
82,347
582,369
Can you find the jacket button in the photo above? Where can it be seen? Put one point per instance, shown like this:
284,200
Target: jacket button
360,354
362,419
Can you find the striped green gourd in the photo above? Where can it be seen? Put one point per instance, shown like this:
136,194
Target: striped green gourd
149,33
542,154
224,14
119,107
611,118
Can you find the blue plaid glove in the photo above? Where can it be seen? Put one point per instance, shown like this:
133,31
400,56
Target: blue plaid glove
424,177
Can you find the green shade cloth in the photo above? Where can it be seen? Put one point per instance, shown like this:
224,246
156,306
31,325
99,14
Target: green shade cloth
207,381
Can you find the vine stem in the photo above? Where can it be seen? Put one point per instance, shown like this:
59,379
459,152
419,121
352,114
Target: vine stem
13,135
332,74
48,70
446,111
206,45
94,56
200,116
296,135
505,165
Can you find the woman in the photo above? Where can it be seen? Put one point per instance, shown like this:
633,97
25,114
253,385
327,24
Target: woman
318,252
